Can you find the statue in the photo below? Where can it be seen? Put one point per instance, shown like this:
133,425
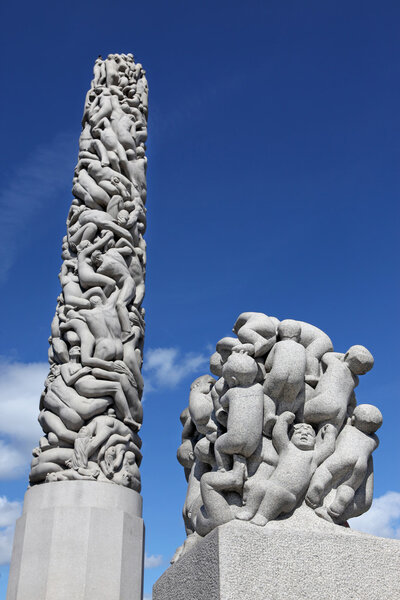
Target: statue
278,433
91,410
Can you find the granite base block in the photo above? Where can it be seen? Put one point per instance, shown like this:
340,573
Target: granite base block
240,561
78,540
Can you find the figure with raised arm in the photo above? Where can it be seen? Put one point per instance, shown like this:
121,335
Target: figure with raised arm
299,456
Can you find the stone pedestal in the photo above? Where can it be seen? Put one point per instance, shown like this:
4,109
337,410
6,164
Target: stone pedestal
78,540
240,561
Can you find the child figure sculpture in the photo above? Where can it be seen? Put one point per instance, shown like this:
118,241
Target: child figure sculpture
284,382
299,456
330,400
349,462
244,402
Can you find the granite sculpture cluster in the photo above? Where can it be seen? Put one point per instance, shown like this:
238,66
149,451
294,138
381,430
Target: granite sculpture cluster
276,429
91,407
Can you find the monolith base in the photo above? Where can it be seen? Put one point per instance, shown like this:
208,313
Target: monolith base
240,561
80,540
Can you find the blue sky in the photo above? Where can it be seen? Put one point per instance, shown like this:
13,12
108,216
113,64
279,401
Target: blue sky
272,186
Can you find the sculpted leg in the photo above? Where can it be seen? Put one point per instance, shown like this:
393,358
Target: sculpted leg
68,416
52,423
319,486
345,493
277,500
224,448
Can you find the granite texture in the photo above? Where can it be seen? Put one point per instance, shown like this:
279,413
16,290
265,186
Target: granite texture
278,426
283,561
80,540
90,409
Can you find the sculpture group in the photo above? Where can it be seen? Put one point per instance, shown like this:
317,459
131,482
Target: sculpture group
277,427
91,409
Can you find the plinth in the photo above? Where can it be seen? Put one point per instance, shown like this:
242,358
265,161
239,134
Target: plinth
78,540
240,561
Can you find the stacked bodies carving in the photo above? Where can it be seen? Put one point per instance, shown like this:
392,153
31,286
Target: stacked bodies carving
278,427
90,410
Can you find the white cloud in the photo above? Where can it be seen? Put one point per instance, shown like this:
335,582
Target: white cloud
20,388
9,512
166,367
153,560
382,519
37,179
147,597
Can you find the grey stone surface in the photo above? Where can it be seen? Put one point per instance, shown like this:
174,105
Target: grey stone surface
91,410
279,428
285,561
80,540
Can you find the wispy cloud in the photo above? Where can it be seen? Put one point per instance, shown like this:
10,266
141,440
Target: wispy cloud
9,512
153,560
167,367
20,388
37,179
382,519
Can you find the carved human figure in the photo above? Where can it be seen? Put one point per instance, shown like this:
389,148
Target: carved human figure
51,460
299,456
329,402
201,404
285,369
256,329
348,464
88,191
220,507
100,383
129,474
223,350
99,72
260,467
91,221
244,401
316,343
65,402
115,154
87,275
72,291
112,264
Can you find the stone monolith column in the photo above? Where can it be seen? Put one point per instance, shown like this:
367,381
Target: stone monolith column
81,534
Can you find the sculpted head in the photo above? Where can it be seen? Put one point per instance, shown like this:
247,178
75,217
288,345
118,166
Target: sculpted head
303,436
129,458
185,454
75,352
359,359
95,301
122,217
240,369
203,383
97,257
289,330
367,418
82,245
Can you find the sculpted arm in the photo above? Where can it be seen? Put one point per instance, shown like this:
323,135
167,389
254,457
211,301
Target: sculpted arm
325,444
270,360
280,437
